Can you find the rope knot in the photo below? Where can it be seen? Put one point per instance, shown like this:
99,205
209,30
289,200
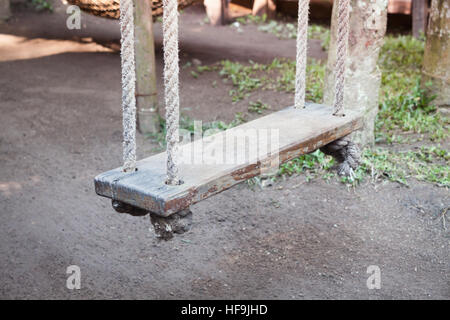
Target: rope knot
346,153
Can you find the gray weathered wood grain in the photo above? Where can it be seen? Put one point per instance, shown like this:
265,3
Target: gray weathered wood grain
299,131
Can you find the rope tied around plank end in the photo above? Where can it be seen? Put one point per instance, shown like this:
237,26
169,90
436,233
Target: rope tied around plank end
346,153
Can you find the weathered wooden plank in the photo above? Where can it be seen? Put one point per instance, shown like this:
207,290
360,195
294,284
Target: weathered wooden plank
215,163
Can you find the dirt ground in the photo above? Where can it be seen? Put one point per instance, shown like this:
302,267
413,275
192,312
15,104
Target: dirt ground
60,126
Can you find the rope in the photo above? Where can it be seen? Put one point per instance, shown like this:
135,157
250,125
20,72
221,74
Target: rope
302,44
341,55
346,153
128,85
165,227
172,100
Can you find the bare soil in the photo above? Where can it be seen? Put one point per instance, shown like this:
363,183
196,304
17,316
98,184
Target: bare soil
60,125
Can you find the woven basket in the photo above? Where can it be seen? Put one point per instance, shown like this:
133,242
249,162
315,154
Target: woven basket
111,8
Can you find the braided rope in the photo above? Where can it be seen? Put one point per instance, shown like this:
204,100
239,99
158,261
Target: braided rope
341,55
301,59
172,100
128,85
344,150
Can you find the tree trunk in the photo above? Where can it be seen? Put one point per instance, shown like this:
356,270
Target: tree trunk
217,11
146,93
436,63
362,78
419,17
267,7
5,12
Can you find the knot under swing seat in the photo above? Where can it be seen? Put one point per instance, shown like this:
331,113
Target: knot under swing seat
346,153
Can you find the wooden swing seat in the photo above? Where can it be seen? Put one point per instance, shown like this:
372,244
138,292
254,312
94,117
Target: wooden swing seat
298,131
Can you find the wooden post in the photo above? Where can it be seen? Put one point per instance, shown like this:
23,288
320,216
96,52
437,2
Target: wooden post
5,11
368,21
266,7
217,11
436,62
419,17
146,93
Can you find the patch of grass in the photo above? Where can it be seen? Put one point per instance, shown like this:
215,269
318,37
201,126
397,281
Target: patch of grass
429,164
194,74
278,75
252,19
243,77
322,33
315,74
404,103
257,107
202,69
287,30
313,164
279,29
412,112
187,124
426,164
400,62
41,5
